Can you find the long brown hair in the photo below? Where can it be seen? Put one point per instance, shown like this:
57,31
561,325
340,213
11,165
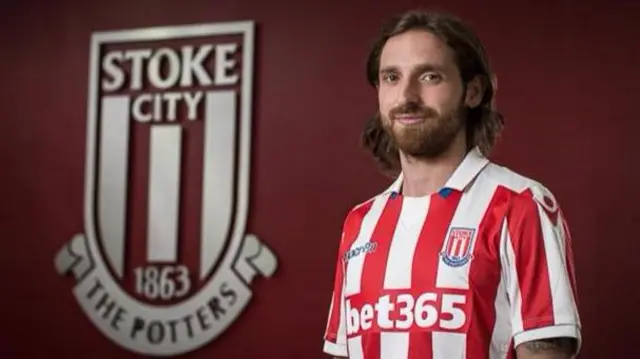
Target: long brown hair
484,123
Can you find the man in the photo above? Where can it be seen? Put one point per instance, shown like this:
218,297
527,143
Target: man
459,258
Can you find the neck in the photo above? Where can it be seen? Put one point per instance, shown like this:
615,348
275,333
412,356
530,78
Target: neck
424,176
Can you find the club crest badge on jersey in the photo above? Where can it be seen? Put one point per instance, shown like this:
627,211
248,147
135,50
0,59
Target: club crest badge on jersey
457,247
165,262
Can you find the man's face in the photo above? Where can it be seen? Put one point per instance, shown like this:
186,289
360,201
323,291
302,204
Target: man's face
420,95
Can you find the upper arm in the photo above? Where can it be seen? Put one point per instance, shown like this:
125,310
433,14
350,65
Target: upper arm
335,341
335,335
538,268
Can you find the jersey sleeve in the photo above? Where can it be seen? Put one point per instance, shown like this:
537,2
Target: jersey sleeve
335,337
538,267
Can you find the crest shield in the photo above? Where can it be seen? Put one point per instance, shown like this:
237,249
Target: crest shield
167,187
458,245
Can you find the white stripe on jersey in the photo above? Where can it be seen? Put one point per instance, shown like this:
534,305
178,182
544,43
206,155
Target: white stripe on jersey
511,276
561,294
469,214
449,345
355,348
399,266
501,336
354,269
403,245
356,264
471,209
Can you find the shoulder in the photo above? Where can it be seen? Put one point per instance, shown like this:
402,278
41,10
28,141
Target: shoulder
357,213
524,191
360,210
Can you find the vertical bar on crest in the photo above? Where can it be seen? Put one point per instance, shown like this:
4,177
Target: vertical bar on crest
112,183
164,192
218,175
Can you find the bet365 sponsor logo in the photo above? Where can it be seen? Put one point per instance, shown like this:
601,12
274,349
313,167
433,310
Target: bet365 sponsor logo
406,311
165,262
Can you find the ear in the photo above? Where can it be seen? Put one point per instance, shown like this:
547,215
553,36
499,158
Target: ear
475,92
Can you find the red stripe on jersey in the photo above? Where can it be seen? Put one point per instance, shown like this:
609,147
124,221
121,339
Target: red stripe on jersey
484,275
351,229
425,261
375,266
531,265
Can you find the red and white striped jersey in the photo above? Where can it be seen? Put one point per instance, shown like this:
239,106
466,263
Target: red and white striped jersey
469,272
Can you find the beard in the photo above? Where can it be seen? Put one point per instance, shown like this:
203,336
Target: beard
429,138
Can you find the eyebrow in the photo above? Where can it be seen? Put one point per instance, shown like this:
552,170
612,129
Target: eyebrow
418,69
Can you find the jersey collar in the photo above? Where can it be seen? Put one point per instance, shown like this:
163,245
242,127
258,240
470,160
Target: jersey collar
464,174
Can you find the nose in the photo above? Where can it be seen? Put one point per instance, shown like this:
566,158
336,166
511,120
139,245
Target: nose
410,91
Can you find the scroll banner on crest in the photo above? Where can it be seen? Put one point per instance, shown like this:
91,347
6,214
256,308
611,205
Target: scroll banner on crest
164,330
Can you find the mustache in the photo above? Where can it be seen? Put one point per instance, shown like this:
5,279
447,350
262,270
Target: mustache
412,108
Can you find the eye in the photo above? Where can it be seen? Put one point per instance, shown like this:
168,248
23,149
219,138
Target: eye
431,77
389,77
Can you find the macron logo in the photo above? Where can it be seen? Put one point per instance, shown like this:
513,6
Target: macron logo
361,249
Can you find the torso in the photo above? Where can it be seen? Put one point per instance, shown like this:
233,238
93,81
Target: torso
424,278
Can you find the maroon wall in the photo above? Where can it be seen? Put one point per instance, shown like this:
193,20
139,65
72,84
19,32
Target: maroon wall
568,83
